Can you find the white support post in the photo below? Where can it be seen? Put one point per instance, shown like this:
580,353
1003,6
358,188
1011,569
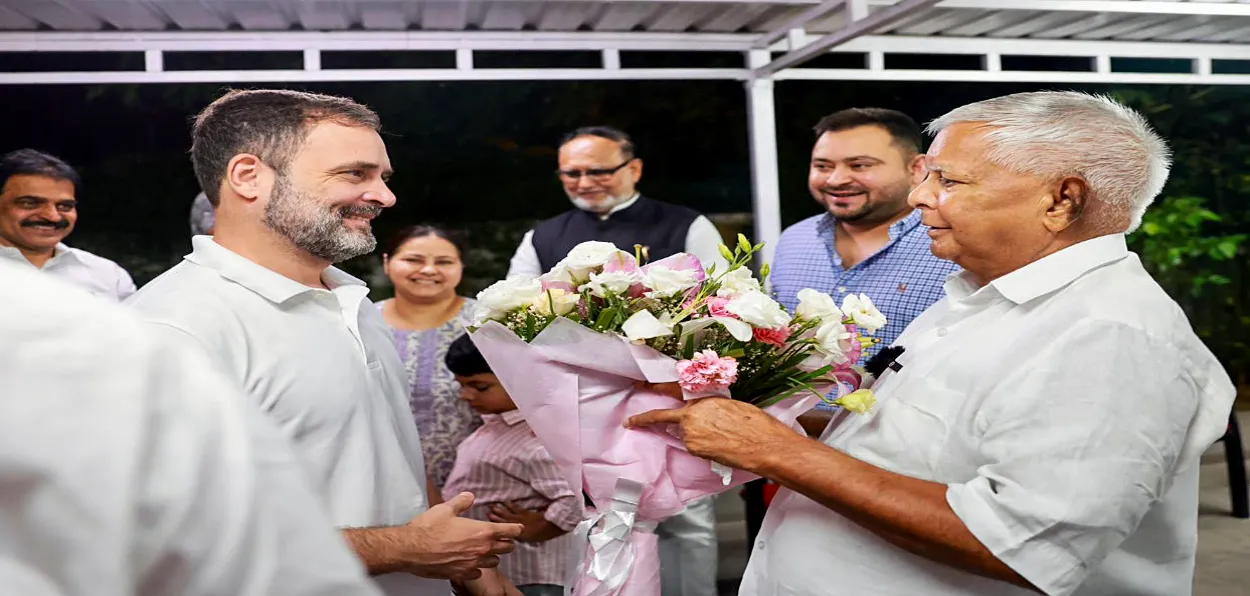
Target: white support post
876,60
992,62
612,59
464,59
1102,64
153,61
762,136
312,59
1202,66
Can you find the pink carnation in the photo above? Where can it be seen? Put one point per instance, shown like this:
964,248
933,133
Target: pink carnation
716,307
773,337
707,371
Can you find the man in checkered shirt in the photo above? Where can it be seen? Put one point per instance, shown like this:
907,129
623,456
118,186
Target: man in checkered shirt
869,241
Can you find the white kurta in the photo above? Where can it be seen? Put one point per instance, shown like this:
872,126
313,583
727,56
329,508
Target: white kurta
130,467
95,274
1065,405
321,364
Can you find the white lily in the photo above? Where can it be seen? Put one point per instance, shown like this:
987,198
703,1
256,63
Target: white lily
643,325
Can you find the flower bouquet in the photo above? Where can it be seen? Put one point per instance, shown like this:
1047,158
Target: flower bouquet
578,347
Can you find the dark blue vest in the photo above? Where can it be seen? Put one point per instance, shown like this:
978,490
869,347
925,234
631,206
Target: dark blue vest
661,227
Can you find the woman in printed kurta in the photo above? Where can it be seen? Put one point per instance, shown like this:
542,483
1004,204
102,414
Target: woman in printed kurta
424,263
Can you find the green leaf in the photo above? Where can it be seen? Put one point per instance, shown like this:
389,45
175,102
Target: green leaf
1151,228
1227,248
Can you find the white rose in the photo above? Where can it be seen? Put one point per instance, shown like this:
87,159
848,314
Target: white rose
505,296
586,257
667,282
817,306
558,274
737,282
759,310
555,302
862,312
610,282
834,341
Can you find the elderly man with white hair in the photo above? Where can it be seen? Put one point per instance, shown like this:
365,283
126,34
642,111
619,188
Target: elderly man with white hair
1042,429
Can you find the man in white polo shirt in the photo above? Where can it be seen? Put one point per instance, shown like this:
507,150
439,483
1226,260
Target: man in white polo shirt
1042,430
295,179
129,466
38,209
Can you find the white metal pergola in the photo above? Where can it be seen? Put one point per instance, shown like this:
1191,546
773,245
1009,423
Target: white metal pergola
1211,38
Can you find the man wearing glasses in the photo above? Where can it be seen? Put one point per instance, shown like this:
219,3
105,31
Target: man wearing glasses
599,171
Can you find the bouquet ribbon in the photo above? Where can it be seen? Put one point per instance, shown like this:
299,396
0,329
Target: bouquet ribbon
610,537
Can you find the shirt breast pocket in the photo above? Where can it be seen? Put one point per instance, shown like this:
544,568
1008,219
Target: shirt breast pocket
910,430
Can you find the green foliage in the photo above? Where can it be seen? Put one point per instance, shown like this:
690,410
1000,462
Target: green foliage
1174,248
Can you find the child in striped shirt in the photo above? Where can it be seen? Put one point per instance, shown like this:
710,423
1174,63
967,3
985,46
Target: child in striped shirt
513,477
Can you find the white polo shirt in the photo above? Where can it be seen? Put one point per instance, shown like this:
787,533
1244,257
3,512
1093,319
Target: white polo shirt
130,467
322,365
1065,405
95,274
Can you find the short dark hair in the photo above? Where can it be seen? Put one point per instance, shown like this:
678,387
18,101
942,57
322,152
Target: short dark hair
268,123
902,128
407,233
604,132
464,359
30,162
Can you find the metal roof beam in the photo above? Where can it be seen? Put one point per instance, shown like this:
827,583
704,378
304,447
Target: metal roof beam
856,28
799,21
1230,9
902,44
226,41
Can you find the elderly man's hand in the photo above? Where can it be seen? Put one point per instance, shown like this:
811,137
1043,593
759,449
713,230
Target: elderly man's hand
730,432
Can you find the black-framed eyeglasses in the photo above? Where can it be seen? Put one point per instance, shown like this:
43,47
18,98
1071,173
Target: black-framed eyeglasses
595,173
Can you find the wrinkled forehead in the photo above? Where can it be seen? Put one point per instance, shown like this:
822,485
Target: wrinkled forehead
963,146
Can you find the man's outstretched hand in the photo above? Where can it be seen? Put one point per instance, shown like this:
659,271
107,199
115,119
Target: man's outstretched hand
730,432
457,547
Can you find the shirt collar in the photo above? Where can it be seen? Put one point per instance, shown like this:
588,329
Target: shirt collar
272,286
510,418
1047,274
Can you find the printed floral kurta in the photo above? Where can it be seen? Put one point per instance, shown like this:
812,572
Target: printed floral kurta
443,419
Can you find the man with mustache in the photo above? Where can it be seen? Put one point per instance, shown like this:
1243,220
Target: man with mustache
296,179
599,170
38,210
869,240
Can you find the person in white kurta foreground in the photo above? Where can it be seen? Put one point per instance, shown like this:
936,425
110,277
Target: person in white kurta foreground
296,179
1042,429
129,467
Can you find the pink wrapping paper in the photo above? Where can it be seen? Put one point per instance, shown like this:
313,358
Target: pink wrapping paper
576,388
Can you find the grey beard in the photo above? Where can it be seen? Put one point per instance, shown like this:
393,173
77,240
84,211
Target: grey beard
314,228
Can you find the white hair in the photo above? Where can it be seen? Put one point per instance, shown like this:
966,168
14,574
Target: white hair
1063,133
